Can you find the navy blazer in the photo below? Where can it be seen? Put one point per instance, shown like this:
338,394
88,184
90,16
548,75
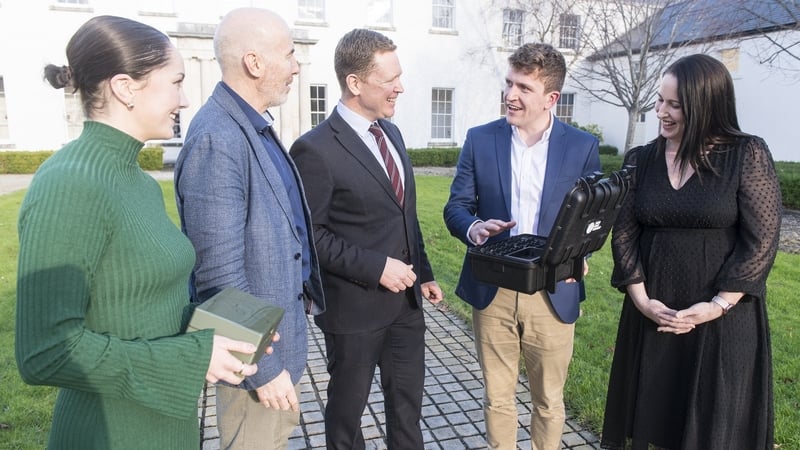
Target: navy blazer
481,190
358,222
235,209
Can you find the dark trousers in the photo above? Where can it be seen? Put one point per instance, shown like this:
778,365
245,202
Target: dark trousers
399,351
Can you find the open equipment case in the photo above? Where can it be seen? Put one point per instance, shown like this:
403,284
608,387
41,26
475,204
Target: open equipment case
529,263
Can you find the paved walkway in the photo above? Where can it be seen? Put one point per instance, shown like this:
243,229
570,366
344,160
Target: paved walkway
16,182
452,417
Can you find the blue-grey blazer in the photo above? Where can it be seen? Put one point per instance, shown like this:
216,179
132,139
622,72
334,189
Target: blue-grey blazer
235,209
481,190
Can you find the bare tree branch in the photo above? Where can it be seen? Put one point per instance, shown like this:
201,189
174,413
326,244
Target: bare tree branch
778,22
630,42
623,46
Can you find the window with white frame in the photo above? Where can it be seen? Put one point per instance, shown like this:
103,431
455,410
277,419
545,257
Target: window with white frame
565,107
503,107
569,26
379,13
442,114
176,127
73,113
311,10
730,58
512,27
156,6
443,14
319,104
4,135
635,68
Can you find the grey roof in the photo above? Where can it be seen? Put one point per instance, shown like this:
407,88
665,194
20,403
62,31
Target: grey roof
709,20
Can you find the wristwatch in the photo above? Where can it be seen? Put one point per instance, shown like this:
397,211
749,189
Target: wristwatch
722,304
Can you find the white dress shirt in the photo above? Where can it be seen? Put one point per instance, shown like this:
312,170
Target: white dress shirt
361,126
528,166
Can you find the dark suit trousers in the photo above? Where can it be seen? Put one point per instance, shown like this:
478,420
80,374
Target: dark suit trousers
399,351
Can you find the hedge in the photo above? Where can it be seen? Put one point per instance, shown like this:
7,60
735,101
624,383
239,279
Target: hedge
150,158
608,149
789,177
22,162
434,157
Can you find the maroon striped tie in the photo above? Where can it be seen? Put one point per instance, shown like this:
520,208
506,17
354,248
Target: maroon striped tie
391,167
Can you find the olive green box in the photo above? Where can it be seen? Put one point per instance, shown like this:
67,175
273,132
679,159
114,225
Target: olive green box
238,315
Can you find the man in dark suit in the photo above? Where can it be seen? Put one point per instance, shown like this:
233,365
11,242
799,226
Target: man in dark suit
242,205
512,177
360,188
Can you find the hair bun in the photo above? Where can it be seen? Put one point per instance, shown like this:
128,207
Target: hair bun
64,76
59,77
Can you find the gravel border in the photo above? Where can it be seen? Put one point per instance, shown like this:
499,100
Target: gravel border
790,232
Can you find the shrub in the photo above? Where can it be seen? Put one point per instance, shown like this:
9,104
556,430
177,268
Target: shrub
434,157
610,163
608,150
592,128
20,161
790,192
789,176
151,158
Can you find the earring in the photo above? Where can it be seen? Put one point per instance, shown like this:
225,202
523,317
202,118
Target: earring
130,105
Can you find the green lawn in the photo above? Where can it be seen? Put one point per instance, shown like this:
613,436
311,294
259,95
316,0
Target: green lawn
25,410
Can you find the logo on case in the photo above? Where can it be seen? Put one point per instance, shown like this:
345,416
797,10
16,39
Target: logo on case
591,227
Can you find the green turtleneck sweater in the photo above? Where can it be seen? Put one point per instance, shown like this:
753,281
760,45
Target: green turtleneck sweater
101,296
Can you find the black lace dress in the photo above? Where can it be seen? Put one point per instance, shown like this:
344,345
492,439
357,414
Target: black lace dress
712,387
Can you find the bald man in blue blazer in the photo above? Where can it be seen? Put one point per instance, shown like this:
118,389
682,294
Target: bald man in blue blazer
512,177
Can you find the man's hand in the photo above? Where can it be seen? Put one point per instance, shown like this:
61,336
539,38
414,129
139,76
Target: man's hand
279,393
275,338
397,275
481,231
432,292
585,272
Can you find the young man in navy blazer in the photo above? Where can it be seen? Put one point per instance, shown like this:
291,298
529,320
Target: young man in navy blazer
511,178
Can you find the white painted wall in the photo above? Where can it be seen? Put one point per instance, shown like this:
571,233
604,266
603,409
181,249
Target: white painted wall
471,60
766,101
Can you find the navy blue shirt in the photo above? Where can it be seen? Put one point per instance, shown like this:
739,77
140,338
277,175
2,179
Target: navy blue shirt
285,166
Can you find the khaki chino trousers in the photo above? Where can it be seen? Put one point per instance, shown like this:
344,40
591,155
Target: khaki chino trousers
518,325
245,424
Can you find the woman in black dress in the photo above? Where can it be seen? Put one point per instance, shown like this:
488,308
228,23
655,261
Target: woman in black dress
692,248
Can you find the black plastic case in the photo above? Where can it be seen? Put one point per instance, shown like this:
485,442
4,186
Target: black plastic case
583,223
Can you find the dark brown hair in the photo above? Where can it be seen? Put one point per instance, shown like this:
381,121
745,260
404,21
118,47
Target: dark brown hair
708,104
103,47
544,62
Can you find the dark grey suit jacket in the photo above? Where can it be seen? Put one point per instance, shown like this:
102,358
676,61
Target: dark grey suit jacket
358,222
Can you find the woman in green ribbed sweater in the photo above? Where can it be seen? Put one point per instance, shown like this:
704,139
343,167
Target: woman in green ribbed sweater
102,287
